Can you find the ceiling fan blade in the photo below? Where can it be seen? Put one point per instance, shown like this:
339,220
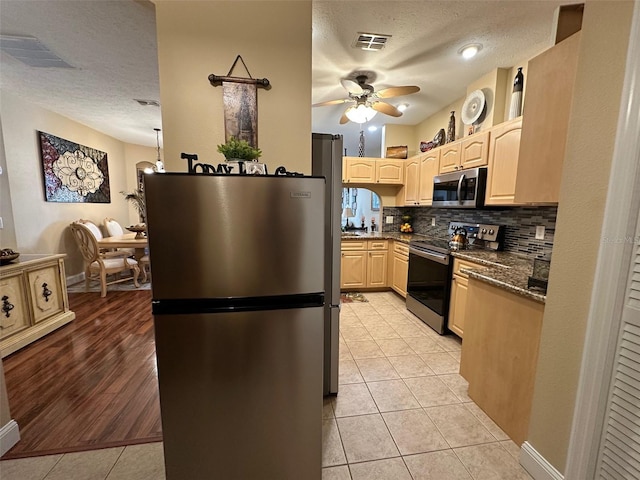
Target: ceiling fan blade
386,109
397,91
331,102
344,119
351,86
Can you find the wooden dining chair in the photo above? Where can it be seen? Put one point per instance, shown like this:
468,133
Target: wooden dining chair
114,229
97,264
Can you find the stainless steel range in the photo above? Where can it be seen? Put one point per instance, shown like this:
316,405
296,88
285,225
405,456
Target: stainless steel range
430,269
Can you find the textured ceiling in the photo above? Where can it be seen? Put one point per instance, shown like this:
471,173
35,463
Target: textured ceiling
113,47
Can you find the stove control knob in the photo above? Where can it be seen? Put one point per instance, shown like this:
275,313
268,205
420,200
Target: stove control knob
484,230
491,231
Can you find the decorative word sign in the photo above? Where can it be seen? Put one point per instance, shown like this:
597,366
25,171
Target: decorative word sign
231,168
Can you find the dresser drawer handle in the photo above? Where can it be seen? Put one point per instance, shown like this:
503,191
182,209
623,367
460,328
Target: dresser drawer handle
6,306
46,293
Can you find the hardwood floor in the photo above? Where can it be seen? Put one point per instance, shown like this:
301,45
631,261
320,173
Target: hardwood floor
92,383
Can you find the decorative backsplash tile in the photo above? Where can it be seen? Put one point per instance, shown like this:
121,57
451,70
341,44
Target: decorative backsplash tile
520,224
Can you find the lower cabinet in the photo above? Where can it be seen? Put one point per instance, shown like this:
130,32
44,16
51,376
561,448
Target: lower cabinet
500,354
400,268
458,302
363,264
33,300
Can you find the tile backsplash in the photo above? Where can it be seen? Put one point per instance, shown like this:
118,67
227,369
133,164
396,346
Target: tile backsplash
520,224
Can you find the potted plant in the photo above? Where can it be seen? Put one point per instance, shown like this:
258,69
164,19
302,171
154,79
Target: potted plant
235,149
136,198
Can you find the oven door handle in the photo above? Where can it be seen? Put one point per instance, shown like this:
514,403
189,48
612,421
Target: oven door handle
459,190
436,257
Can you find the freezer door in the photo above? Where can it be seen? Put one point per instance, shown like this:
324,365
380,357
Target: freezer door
235,236
241,394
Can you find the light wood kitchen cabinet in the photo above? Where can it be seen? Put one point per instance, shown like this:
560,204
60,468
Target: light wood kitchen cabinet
545,122
364,264
409,193
474,151
365,170
449,157
377,269
469,152
390,171
504,151
500,354
419,173
359,170
33,300
400,268
458,301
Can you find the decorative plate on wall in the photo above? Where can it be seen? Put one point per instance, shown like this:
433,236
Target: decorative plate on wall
473,107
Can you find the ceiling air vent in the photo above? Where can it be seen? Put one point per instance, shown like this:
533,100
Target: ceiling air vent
370,41
30,51
147,103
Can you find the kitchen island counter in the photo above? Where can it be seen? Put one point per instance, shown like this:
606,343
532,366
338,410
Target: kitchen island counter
503,269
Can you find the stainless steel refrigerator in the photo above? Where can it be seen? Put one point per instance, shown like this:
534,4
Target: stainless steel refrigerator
237,265
327,162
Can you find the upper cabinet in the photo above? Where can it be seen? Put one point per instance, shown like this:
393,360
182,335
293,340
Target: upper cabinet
469,152
551,76
504,149
419,173
373,170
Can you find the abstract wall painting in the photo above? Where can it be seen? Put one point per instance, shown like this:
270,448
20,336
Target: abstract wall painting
73,173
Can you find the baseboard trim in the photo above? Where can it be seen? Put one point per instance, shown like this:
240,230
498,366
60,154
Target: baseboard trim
77,278
9,436
537,466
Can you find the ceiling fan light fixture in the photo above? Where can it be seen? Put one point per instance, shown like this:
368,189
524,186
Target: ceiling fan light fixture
360,113
402,107
470,50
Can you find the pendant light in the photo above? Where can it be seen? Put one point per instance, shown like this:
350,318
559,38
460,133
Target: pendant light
159,164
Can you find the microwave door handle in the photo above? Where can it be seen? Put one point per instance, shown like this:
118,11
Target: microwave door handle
459,191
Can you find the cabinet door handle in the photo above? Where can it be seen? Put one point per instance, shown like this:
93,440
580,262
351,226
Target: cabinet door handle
46,293
6,306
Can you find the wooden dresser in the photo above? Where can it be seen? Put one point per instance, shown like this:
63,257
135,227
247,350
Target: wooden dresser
33,300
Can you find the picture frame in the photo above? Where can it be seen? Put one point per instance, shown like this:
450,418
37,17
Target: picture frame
73,173
375,202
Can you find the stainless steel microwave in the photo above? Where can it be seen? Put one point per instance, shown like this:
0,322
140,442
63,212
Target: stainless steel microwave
461,189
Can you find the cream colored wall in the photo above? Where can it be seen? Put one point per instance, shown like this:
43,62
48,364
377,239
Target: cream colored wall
398,135
428,129
590,144
196,39
493,85
40,226
7,233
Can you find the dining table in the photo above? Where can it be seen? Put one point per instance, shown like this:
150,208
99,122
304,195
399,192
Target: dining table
127,240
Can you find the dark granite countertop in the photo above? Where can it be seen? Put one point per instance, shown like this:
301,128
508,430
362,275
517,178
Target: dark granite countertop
502,269
397,236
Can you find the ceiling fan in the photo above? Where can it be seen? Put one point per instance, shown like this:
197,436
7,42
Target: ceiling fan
365,100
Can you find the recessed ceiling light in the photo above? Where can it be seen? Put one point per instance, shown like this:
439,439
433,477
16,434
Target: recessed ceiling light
403,106
372,128
470,51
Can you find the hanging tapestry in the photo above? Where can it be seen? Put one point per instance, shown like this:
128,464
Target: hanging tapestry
73,173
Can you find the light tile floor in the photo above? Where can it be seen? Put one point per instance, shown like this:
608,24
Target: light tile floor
402,414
